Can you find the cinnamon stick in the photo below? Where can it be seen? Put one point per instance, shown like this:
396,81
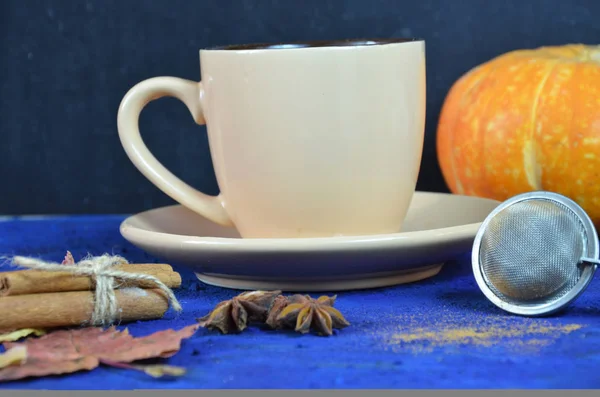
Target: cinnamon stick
22,282
62,309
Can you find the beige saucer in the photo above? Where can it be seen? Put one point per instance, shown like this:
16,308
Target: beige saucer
437,228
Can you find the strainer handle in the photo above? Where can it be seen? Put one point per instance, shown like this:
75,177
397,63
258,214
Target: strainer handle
585,260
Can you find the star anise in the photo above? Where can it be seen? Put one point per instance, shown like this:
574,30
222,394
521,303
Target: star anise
278,305
302,313
235,314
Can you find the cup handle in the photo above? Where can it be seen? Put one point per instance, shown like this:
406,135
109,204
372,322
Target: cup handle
189,92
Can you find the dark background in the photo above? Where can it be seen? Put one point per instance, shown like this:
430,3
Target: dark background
66,64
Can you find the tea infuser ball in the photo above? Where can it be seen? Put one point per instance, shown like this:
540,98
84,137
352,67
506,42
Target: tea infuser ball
535,253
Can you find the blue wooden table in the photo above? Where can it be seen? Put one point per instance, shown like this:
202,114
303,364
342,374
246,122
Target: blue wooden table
438,333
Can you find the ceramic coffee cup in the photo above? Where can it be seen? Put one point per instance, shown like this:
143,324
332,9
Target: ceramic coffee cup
307,140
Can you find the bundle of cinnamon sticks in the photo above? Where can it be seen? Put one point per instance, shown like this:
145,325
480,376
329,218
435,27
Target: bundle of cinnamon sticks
42,299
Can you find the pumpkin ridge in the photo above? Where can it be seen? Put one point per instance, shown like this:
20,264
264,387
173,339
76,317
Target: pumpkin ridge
463,100
482,136
531,151
572,135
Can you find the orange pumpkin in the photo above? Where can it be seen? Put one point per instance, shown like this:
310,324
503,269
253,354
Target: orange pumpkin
523,121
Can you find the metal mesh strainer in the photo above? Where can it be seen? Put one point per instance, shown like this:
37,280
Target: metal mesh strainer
535,253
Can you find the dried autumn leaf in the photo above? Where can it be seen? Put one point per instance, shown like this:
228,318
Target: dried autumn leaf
14,356
69,260
20,333
67,351
154,370
158,371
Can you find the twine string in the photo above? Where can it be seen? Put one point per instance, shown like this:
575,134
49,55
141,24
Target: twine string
104,276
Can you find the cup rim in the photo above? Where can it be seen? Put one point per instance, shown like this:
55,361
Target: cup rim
291,45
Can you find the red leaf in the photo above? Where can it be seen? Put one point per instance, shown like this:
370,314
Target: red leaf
69,351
